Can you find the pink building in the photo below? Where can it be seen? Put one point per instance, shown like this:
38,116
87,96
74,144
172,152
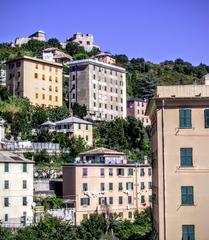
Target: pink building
136,107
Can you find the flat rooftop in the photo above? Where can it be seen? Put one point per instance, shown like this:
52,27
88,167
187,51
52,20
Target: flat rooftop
98,63
106,165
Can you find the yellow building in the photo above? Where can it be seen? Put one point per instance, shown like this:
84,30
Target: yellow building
104,182
36,79
180,134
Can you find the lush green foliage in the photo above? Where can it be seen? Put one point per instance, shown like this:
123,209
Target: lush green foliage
79,111
50,203
143,76
124,134
96,227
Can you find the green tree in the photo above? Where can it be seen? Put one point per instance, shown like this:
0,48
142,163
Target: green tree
54,42
5,234
39,116
79,110
92,228
73,48
50,203
4,94
80,56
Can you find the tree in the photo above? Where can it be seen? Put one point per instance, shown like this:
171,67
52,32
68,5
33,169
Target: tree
4,94
146,86
5,234
80,56
73,48
79,111
39,116
93,227
121,59
50,203
17,113
94,52
54,42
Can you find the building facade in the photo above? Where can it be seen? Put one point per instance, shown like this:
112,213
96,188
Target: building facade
36,79
137,107
108,188
180,130
99,86
85,40
76,127
2,77
16,192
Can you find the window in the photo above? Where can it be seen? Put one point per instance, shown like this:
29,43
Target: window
56,79
87,127
56,89
110,200
85,187
149,171
6,167
129,186
142,172
150,198
188,232
142,186
24,184
24,167
18,74
85,201
206,113
79,126
85,172
142,199
185,118
102,186
56,98
43,76
36,75
129,199
94,76
87,138
102,200
120,186
6,217
43,96
110,172
43,67
50,97
120,172
102,172
95,104
50,88
130,172
120,200
36,95
24,201
6,202
6,184
130,214
187,195
36,66
150,185
110,186
186,157
50,68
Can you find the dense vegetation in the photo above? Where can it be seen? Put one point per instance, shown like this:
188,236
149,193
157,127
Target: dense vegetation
97,227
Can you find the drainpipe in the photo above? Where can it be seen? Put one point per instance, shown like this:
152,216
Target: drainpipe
164,173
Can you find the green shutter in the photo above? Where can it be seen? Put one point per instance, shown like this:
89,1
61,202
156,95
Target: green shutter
6,167
186,157
185,118
206,113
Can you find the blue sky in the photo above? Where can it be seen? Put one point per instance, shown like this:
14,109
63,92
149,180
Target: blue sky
154,29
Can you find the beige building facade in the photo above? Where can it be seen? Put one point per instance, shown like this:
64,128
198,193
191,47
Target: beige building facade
16,191
180,130
36,79
99,86
120,188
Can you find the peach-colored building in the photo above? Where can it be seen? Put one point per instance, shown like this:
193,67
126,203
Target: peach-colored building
103,182
136,107
37,79
180,134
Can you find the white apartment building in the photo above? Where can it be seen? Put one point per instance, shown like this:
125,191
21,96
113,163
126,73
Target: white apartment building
100,86
16,190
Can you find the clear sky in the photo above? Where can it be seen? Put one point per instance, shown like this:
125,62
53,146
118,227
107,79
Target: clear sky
154,29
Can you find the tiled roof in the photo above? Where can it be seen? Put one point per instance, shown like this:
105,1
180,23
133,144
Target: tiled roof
6,156
73,120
